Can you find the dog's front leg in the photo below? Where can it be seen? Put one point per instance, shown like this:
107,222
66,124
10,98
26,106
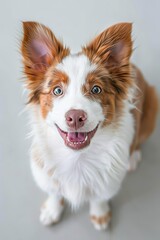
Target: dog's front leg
52,209
100,214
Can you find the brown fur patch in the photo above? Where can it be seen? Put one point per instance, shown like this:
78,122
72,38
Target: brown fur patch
100,77
45,103
55,78
146,110
62,202
36,64
103,219
110,99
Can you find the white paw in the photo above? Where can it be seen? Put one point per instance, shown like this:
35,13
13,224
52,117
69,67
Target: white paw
135,158
101,222
51,212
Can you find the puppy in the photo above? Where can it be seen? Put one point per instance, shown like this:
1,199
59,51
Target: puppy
90,113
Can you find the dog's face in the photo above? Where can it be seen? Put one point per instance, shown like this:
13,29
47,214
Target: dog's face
77,93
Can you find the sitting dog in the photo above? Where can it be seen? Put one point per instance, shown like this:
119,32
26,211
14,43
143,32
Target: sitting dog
90,113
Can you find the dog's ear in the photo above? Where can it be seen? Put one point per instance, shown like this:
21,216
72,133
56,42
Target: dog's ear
39,46
40,49
112,47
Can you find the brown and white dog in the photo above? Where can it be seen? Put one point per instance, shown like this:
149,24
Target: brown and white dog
90,114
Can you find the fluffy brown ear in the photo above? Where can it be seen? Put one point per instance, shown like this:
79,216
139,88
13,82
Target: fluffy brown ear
112,47
40,49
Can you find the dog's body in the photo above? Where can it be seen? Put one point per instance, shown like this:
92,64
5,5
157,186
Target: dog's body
90,113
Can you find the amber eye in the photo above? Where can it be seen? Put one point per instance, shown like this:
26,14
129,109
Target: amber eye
57,91
96,90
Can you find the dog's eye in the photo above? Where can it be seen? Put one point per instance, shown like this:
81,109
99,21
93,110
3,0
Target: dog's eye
57,91
96,90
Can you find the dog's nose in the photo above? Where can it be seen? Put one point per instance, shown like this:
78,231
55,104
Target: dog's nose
75,118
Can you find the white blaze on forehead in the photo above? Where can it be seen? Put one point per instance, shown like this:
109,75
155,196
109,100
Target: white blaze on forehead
77,68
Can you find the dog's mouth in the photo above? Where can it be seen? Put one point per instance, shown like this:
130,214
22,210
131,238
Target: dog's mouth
77,140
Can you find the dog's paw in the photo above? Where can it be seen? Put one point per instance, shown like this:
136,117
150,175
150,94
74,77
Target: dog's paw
51,212
101,222
134,160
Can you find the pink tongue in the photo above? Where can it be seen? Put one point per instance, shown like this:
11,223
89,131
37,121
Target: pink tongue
77,136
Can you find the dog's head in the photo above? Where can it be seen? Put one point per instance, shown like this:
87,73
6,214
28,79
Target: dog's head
82,92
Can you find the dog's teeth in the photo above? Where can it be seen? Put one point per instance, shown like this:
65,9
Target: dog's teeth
76,143
86,138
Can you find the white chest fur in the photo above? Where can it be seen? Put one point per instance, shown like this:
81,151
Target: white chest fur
96,171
